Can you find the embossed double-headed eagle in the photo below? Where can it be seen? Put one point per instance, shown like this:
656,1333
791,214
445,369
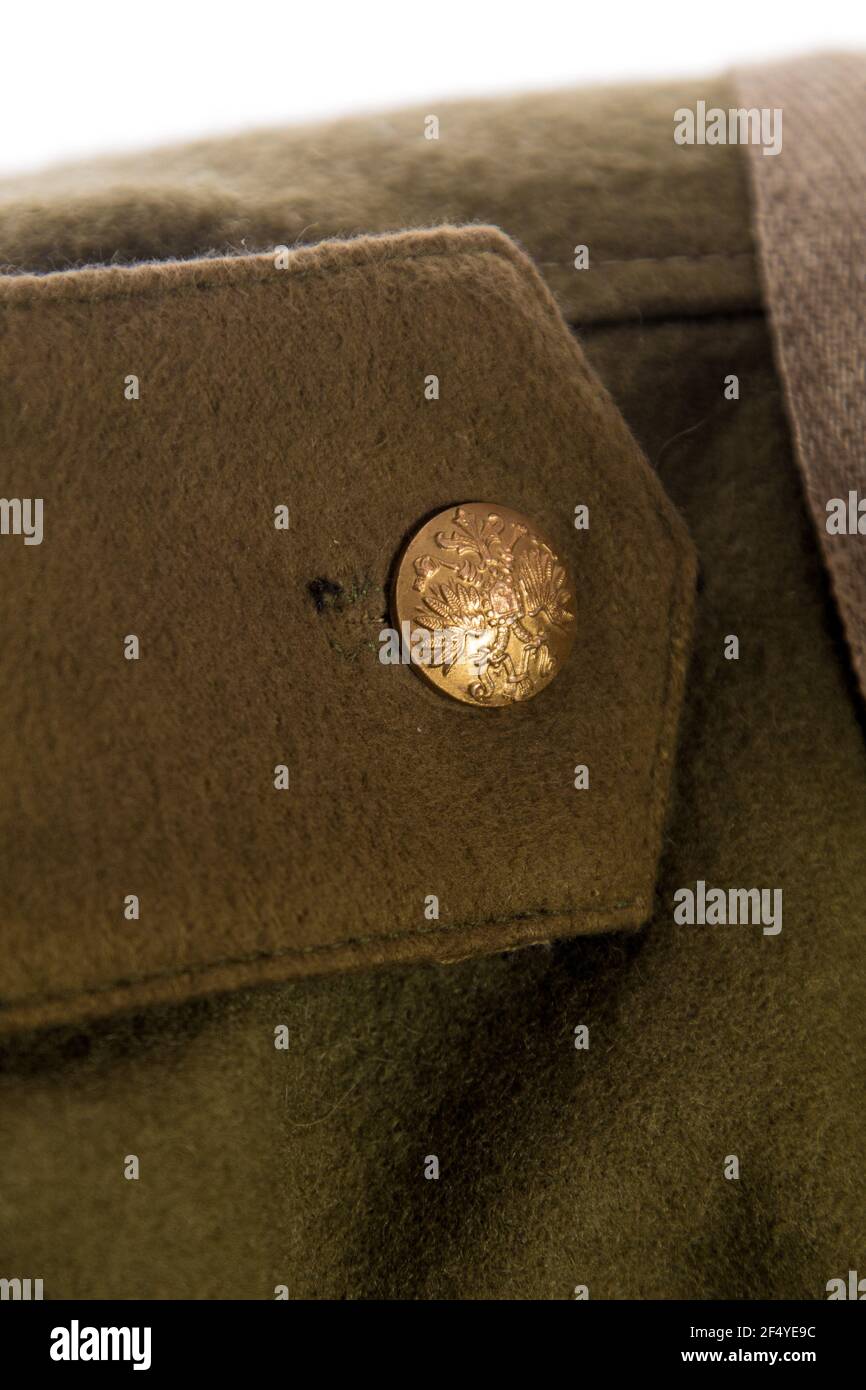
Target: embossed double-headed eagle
491,596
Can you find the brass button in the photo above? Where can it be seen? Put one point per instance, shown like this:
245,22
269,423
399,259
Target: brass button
488,603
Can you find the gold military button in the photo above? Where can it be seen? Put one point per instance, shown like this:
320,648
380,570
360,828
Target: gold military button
488,603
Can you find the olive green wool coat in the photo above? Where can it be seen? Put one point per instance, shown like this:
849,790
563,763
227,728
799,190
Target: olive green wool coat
286,1035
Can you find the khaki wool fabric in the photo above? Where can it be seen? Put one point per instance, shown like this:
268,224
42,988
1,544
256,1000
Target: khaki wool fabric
596,168
559,1167
245,665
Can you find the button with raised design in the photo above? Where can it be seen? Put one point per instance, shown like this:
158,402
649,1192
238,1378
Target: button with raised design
488,602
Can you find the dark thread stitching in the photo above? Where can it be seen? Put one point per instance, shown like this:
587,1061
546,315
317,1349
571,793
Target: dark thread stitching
252,957
156,291
697,258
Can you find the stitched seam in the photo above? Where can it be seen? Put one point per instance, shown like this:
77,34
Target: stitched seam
696,259
13,275
253,957
678,596
702,317
525,270
165,292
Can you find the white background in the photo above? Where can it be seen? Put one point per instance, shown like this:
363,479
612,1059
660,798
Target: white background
81,79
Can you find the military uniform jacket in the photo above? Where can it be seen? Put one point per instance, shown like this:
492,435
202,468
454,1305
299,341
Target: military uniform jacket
317,982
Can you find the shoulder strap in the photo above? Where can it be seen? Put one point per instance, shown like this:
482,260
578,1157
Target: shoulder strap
810,200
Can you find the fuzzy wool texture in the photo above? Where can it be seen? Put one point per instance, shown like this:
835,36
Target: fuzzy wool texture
558,1167
304,387
556,170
